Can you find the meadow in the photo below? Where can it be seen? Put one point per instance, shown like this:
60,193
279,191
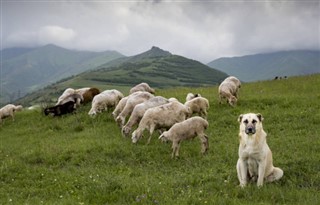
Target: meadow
76,159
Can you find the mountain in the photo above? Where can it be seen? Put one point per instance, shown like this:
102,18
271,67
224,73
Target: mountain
158,68
269,65
28,69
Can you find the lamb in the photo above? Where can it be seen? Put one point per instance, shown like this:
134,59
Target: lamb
142,87
163,116
67,92
75,97
139,111
132,101
185,130
190,96
105,100
9,110
198,105
229,89
88,94
62,109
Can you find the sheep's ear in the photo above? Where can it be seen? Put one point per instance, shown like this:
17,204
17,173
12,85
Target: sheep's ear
161,136
260,117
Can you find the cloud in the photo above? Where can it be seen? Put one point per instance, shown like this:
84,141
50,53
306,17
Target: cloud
45,35
198,30
55,34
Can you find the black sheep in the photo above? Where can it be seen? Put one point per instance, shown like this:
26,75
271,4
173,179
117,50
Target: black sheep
59,110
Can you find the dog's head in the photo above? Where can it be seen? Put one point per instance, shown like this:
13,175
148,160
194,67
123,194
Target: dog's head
250,123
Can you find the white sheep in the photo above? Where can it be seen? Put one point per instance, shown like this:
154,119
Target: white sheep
229,89
142,87
75,97
66,93
9,110
163,116
190,96
185,130
133,100
105,100
198,105
119,107
139,111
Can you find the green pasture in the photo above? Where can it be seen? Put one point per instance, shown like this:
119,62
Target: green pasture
76,159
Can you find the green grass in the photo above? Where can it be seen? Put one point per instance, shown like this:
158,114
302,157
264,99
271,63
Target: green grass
76,159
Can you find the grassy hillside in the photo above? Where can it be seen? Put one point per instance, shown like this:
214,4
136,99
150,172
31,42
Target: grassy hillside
76,159
26,70
269,65
158,68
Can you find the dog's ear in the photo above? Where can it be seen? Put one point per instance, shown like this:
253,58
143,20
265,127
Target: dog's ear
260,117
240,118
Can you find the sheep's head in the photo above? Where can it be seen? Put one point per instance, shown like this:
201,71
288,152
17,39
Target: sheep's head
164,137
135,137
125,131
232,100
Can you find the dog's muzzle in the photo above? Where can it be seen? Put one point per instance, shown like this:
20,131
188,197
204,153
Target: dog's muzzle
250,130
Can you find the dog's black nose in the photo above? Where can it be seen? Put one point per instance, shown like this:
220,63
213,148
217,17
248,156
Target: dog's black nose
250,130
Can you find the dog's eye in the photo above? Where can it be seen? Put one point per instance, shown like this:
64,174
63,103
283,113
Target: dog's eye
254,121
245,121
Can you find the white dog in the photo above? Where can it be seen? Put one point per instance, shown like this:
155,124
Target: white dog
255,156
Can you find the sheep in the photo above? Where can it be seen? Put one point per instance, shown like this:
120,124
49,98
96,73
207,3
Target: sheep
132,101
88,94
139,111
163,116
107,98
198,105
185,130
142,87
9,110
119,107
229,89
190,96
75,97
66,93
61,109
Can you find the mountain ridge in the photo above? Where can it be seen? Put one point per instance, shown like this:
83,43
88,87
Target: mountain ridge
266,66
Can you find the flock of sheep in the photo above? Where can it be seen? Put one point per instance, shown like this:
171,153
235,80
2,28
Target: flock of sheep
174,120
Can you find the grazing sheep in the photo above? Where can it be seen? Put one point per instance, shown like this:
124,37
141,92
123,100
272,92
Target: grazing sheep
66,93
229,89
9,110
132,101
119,107
142,87
88,94
198,105
62,109
190,96
185,130
163,116
139,111
77,98
105,100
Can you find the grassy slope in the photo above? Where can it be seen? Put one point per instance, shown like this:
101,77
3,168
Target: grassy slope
79,160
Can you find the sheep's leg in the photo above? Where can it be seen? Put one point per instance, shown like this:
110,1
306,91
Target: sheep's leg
152,127
174,149
204,143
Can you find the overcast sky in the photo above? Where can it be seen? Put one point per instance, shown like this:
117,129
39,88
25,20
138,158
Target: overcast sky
200,30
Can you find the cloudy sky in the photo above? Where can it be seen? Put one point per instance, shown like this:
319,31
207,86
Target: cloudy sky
200,30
